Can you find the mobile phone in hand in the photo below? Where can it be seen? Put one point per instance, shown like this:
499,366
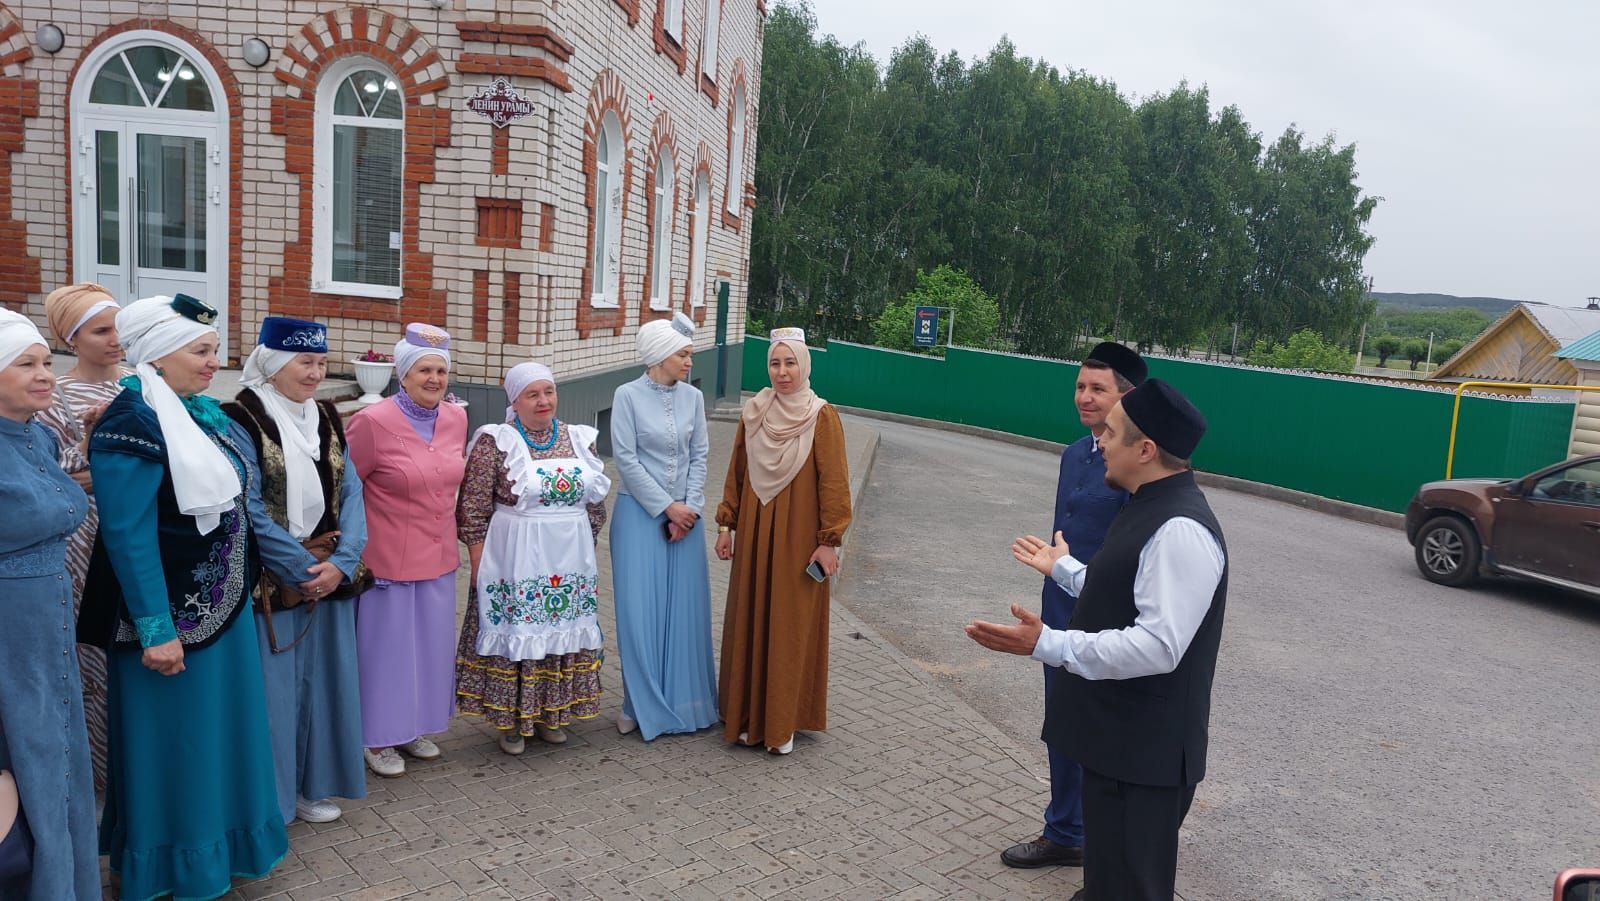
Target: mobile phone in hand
666,529
815,572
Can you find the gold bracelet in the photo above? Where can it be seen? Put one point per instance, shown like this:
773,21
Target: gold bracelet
723,530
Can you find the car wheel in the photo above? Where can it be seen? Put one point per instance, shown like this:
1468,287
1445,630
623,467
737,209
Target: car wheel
1448,551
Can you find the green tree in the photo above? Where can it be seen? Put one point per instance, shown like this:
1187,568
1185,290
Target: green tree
976,312
1447,349
1386,346
1305,349
1415,350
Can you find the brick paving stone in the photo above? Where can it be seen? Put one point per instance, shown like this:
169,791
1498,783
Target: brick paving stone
910,794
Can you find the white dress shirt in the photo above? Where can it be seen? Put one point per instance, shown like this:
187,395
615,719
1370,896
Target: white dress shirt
1179,570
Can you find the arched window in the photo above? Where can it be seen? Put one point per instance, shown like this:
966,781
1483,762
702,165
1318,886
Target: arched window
360,151
606,212
735,191
661,235
708,39
700,234
151,76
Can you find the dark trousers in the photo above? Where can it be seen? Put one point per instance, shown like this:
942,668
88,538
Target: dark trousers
1131,852
1063,818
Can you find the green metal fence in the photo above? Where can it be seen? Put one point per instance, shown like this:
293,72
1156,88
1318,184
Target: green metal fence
1366,443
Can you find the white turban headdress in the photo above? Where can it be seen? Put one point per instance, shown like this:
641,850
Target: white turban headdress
17,334
661,338
519,378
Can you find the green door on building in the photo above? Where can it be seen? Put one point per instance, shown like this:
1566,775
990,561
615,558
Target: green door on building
722,338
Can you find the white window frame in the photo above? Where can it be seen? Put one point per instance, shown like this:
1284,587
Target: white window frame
322,180
672,19
661,234
735,201
708,40
605,263
700,238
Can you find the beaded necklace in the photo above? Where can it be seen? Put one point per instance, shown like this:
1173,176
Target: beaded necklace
555,435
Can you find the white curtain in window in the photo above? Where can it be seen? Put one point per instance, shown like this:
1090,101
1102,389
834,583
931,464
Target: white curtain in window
700,237
708,39
661,240
365,157
672,19
607,205
736,154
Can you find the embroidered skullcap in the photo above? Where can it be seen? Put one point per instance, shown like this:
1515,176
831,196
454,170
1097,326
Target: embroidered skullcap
1166,417
68,308
281,340
17,334
151,328
661,338
421,340
520,377
1122,359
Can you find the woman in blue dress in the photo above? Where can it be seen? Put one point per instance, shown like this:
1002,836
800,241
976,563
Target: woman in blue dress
42,737
308,518
191,799
659,573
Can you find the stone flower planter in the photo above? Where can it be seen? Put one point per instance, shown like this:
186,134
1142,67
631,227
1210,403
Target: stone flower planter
373,378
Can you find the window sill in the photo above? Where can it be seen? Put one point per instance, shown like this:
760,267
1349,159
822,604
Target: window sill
601,302
356,289
660,305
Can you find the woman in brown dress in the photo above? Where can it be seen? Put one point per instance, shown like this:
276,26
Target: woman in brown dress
787,497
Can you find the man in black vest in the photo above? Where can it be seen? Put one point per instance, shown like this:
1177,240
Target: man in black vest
1133,698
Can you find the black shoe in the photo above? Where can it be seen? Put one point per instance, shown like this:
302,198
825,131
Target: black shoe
1041,852
1077,896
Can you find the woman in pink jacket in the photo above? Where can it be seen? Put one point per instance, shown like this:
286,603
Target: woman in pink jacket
410,451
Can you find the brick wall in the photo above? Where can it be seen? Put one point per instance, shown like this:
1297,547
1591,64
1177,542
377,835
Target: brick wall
506,298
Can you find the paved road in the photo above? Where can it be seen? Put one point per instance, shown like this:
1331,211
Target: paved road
1373,735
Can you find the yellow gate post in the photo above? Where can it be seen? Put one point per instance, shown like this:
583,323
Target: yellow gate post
1455,415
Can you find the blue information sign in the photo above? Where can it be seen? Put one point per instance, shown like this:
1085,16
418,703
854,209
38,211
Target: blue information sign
925,327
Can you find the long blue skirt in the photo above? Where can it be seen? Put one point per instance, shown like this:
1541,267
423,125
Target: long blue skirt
191,799
314,703
663,595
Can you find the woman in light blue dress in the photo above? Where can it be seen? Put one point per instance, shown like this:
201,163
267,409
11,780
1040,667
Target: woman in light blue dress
658,546
42,738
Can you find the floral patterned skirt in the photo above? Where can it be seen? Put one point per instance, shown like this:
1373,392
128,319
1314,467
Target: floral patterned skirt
554,691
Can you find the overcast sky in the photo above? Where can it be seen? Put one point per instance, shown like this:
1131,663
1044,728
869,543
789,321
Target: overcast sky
1476,121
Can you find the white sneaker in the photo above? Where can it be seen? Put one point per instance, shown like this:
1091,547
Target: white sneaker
744,738
511,742
552,736
323,811
626,724
784,748
386,763
421,748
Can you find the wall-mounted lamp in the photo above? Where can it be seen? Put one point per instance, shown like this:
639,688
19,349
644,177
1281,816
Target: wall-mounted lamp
49,38
256,52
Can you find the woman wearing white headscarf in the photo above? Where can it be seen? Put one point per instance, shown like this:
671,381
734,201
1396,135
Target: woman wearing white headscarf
42,739
788,498
411,451
311,526
84,318
658,545
531,507
191,800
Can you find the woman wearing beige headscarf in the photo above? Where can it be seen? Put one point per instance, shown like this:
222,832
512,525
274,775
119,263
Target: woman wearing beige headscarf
787,497
84,318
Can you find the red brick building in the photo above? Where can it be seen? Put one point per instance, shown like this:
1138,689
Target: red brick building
538,176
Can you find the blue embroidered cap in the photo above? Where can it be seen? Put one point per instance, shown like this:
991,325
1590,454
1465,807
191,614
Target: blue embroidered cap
294,335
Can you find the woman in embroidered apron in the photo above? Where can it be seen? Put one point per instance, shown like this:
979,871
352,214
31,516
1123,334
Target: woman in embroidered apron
191,799
42,738
311,526
530,510
788,498
410,451
658,543
84,318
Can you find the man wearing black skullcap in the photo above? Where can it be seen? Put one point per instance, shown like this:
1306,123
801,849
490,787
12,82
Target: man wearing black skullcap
1132,701
1085,506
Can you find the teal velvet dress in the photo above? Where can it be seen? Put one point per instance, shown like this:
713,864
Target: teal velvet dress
191,800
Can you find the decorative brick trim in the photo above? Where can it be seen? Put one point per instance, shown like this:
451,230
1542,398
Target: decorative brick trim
631,7
511,308
499,222
500,151
480,304
506,65
20,274
385,39
664,135
702,164
735,179
538,36
609,94
14,47
669,44
547,227
230,90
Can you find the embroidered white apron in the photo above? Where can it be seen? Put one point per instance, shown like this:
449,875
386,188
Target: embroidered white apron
538,580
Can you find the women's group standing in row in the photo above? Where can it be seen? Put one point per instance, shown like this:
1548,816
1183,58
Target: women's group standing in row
166,515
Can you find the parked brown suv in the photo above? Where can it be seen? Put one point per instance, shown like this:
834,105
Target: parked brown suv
1544,526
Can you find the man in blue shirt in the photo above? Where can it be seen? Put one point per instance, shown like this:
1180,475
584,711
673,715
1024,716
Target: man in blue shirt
1085,506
